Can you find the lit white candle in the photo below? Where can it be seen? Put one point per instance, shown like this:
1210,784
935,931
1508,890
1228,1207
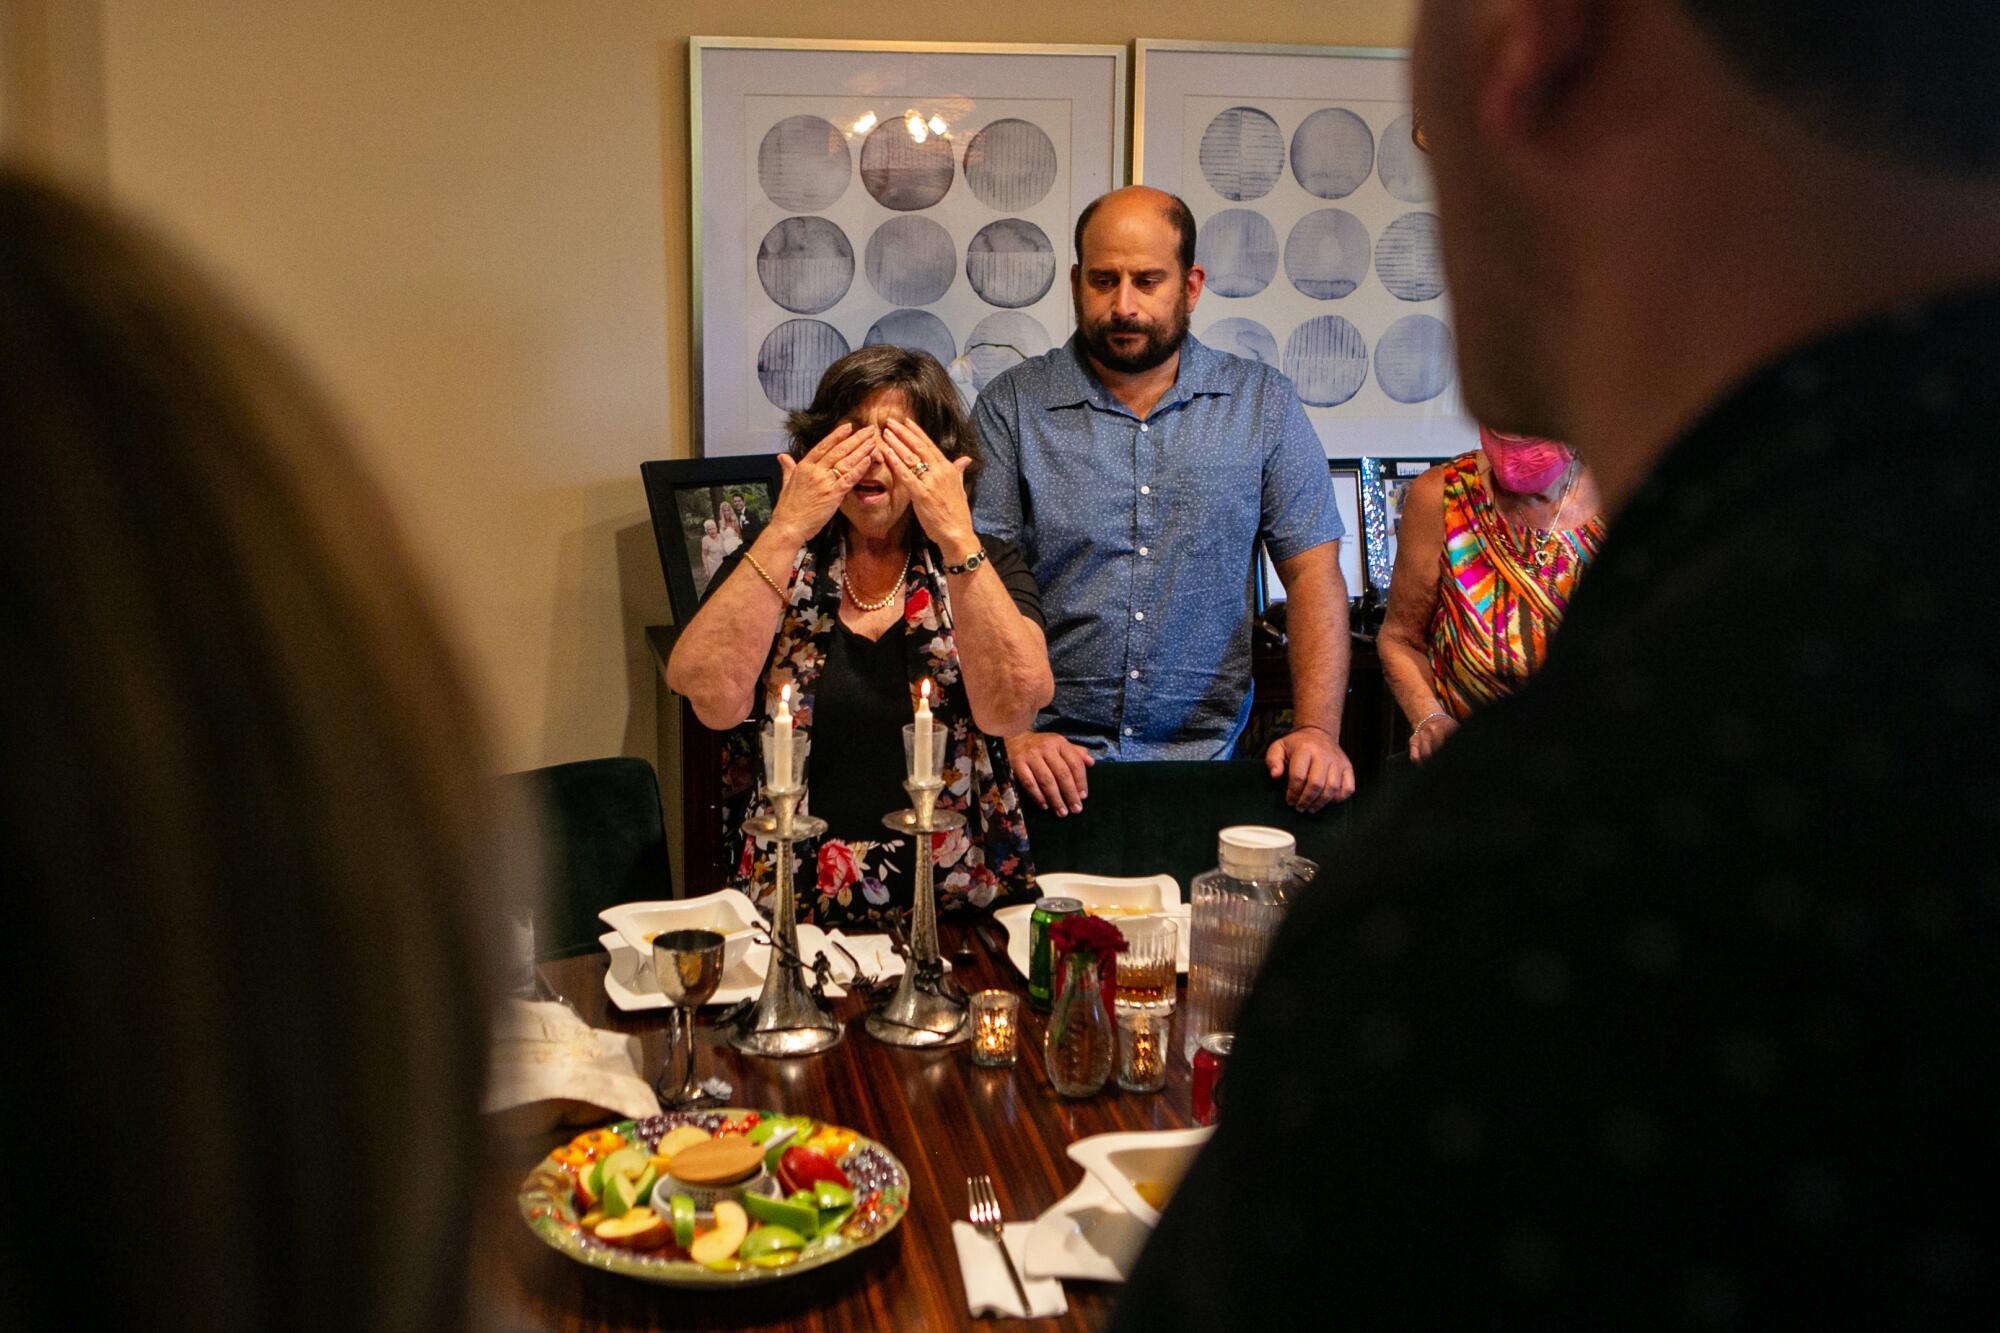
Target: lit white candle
781,741
920,750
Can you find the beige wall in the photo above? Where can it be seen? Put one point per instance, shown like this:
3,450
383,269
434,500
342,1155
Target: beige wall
52,86
471,217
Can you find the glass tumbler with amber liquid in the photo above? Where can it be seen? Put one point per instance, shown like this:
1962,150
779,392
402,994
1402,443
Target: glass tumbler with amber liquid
1148,967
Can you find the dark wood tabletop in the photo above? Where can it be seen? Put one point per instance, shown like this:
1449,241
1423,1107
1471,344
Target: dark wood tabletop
942,1116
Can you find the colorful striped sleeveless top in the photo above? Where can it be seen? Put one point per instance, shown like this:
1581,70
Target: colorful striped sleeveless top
1497,602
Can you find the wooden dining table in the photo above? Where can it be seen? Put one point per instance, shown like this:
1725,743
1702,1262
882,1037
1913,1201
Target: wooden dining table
945,1118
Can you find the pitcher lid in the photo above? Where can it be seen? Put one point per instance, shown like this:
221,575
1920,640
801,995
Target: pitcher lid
1255,851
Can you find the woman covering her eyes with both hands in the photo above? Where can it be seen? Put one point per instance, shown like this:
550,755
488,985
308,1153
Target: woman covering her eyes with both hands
1488,553
868,580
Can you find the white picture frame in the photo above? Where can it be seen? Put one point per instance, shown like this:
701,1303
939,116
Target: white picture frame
1347,485
1317,227
816,227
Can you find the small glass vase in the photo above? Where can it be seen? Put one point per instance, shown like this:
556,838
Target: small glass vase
1081,1043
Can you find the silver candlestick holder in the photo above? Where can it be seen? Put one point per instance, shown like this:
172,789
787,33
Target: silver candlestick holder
928,1008
788,1017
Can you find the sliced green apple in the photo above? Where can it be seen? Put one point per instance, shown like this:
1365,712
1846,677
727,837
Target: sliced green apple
623,1162
781,1213
769,1240
781,1138
621,1196
682,1208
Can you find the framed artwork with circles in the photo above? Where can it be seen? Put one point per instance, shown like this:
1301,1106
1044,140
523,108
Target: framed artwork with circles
853,193
1316,228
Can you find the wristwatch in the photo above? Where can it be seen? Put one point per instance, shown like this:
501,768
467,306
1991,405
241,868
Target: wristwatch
972,562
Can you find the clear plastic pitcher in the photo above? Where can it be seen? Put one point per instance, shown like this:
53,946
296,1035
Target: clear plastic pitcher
1234,914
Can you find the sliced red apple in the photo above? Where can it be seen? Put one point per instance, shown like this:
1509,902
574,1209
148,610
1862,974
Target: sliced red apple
732,1224
639,1229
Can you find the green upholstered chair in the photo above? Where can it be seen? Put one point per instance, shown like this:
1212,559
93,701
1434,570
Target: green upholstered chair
1162,818
607,845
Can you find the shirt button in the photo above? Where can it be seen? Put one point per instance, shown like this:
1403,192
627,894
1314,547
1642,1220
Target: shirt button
1138,615
1145,550
1145,490
1128,731
1142,428
1135,675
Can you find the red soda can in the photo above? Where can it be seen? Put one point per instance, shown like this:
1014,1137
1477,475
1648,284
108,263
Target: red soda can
1211,1052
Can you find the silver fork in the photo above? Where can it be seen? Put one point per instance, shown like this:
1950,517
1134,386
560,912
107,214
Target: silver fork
983,1207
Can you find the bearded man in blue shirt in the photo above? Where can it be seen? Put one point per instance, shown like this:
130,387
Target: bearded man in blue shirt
1138,470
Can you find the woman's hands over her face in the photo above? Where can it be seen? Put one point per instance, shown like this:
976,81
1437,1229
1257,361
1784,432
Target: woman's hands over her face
935,485
815,485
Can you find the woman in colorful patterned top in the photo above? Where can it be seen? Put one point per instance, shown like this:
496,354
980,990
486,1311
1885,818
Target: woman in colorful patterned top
868,580
1489,550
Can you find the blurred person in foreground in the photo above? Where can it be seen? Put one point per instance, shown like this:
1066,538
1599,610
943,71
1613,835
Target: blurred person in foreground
242,818
1488,554
1660,997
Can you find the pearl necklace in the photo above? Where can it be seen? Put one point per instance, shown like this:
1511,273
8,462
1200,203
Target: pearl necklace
856,597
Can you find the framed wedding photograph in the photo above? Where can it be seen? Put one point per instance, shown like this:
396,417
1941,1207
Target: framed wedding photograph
1316,227
855,193
704,510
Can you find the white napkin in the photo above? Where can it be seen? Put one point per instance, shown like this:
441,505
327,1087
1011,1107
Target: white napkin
987,1288
544,1052
876,954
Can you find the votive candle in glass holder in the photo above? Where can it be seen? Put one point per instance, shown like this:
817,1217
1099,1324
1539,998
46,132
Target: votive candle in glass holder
1142,1048
784,754
923,751
996,1028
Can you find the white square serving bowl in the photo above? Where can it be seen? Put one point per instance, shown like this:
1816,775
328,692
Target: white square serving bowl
1112,896
729,914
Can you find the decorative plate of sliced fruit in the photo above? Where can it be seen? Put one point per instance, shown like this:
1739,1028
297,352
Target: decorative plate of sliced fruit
715,1198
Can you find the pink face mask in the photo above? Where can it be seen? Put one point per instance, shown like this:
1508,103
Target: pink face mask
1522,464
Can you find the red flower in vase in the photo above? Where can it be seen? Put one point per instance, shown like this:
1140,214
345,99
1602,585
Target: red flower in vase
1084,933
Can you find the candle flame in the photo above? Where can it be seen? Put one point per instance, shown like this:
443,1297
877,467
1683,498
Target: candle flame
925,689
785,696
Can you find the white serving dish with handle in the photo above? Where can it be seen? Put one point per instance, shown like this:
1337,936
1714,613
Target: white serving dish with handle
1122,1162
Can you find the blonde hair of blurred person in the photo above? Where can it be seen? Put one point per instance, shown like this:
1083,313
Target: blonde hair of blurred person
244,818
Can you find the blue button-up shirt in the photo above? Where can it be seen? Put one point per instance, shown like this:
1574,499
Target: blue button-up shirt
1142,533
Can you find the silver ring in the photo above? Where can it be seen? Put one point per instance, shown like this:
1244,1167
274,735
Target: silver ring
920,469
